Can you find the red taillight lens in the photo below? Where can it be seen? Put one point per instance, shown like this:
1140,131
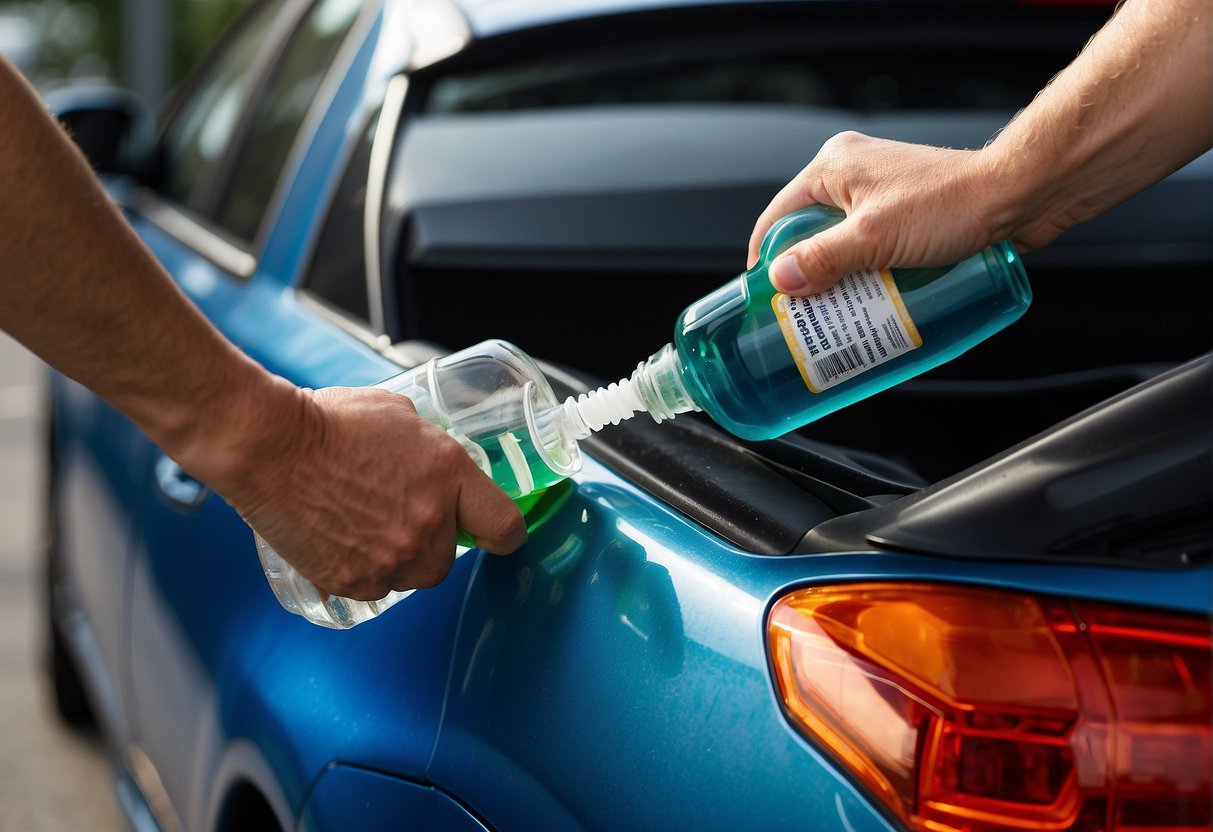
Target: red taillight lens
976,710
1158,671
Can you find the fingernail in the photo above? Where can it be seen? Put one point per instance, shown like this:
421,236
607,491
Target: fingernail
786,275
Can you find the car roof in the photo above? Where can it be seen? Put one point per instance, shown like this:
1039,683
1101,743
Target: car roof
493,17
486,18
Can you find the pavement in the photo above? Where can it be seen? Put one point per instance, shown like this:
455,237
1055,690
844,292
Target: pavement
52,778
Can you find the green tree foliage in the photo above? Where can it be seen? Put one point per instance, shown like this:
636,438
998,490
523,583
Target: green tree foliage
73,39
195,26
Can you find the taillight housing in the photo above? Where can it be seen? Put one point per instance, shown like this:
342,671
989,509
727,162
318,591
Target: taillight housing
975,710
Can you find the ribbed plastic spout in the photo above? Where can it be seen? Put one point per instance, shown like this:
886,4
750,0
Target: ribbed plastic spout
656,387
608,405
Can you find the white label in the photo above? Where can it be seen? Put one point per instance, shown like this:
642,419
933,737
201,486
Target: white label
853,326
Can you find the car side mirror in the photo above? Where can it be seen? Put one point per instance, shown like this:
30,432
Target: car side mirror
113,127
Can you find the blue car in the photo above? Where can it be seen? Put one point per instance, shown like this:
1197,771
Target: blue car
978,601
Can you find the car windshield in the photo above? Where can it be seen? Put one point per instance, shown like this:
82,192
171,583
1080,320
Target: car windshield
908,77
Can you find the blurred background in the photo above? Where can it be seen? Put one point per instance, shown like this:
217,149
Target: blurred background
146,45
54,778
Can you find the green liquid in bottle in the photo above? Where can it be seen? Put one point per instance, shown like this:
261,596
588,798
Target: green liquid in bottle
517,465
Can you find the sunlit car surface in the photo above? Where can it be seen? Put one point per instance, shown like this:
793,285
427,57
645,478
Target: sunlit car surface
969,603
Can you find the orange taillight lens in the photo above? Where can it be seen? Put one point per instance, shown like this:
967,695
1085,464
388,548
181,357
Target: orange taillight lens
979,710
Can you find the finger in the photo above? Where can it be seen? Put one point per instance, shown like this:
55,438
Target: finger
806,189
357,588
431,568
817,263
829,179
488,515
785,202
765,220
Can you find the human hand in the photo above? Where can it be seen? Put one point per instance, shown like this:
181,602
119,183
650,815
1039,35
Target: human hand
363,496
907,205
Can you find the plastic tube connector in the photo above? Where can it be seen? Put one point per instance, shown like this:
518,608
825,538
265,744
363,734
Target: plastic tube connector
608,405
656,387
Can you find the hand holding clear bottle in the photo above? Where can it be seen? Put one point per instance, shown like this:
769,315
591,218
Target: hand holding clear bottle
495,402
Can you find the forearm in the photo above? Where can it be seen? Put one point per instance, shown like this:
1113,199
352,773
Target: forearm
80,290
350,485
1136,105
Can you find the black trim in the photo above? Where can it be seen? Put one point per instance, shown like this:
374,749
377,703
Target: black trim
1126,483
705,474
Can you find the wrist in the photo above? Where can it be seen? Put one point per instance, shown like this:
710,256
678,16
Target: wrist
1010,191
230,439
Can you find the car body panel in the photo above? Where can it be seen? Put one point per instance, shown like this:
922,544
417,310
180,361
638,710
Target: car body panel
285,686
101,470
372,801
634,622
187,672
268,320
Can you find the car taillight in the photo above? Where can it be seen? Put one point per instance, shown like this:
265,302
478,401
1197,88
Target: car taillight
976,710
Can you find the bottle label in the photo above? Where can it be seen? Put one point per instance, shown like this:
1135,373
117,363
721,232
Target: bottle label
856,324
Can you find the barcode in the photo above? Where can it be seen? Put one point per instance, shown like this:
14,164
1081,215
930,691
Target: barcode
834,365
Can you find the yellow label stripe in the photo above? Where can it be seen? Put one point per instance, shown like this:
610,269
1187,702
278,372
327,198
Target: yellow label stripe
792,338
894,293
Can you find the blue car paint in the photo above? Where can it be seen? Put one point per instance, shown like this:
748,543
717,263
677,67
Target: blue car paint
610,638
186,659
603,634
210,642
267,321
591,679
283,707
370,801
100,493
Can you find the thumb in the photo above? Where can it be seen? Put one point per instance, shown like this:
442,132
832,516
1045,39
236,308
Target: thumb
816,264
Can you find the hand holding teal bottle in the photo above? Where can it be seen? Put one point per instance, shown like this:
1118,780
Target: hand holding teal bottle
759,362
762,363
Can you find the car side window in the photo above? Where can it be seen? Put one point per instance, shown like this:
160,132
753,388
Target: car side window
195,141
280,113
337,273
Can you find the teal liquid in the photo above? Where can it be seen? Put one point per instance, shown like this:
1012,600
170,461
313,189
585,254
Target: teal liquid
739,368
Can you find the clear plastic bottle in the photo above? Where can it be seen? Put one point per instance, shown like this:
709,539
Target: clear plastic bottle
496,402
761,363
758,362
